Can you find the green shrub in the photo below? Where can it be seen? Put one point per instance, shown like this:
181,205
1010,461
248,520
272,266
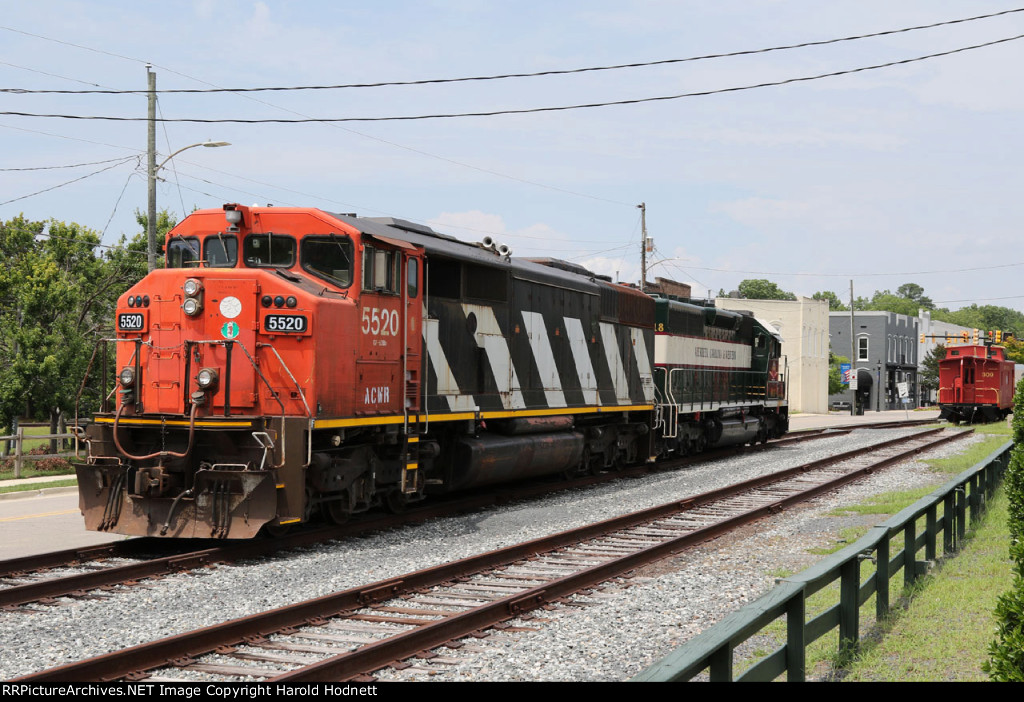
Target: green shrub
1006,662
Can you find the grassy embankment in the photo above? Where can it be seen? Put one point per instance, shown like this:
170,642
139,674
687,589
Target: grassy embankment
941,629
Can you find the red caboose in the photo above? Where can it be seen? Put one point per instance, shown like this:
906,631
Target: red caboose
975,383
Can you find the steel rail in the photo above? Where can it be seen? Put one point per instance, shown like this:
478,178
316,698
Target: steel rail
78,584
185,647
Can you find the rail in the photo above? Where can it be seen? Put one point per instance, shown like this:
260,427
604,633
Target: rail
962,499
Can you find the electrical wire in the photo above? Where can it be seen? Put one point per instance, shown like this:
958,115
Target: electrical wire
71,165
536,74
61,185
531,110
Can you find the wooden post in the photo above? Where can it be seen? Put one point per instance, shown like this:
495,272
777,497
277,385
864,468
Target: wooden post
20,434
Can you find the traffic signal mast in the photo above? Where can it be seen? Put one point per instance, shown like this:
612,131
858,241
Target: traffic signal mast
975,338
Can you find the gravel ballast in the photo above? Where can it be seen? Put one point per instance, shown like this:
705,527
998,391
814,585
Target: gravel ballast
619,630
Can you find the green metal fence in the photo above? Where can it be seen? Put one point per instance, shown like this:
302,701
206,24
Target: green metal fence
944,513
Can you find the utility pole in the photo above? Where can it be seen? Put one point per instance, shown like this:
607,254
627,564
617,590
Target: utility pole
643,246
853,355
151,171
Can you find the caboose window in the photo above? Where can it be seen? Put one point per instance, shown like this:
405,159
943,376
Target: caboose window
183,252
221,251
268,249
329,258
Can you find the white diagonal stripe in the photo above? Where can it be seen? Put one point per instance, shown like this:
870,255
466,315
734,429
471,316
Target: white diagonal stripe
537,333
618,371
581,355
488,337
447,387
643,363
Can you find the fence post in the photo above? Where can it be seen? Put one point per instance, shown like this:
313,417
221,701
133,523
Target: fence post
796,655
909,553
961,514
849,606
20,434
948,521
720,668
931,535
882,579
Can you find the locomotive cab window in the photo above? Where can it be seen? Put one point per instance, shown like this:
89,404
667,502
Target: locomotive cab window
412,279
381,272
329,258
221,251
183,252
260,250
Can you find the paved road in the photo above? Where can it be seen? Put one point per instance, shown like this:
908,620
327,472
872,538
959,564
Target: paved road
49,520
45,522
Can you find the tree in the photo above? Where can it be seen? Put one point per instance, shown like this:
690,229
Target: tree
986,317
835,378
58,295
915,293
885,301
834,303
760,289
929,375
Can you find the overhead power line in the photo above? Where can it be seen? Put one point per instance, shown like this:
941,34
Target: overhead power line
61,185
559,108
70,165
535,74
857,275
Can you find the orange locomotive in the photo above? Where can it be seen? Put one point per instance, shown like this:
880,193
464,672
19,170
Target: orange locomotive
975,383
275,370
291,363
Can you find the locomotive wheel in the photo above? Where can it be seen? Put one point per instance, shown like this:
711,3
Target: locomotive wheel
700,444
338,511
396,502
274,530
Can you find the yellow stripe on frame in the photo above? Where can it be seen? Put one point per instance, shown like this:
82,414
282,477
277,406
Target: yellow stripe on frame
457,416
171,422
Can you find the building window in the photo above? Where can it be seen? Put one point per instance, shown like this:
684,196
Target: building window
862,348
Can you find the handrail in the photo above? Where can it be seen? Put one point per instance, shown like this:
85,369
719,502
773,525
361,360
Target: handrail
962,499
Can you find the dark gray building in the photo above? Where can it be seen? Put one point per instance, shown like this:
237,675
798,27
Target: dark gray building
885,349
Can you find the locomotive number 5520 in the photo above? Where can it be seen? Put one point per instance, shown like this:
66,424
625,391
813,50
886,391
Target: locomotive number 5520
285,323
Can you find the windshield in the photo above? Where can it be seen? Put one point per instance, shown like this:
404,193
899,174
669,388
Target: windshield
269,250
221,250
183,252
329,258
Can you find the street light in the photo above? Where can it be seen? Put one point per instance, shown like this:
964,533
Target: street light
153,168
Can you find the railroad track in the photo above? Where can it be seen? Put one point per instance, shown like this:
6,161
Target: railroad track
347,635
50,578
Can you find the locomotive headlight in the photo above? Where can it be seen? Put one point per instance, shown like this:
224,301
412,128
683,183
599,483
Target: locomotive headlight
192,287
191,306
207,378
127,376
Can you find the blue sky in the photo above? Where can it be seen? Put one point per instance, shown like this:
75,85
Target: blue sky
906,170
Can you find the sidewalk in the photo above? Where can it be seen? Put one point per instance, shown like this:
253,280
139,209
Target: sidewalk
40,481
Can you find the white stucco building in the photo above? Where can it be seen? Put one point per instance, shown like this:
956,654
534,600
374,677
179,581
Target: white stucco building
803,325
